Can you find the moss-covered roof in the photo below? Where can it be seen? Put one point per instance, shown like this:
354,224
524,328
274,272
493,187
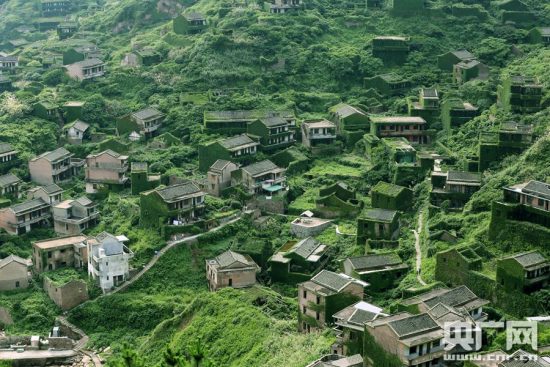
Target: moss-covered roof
388,189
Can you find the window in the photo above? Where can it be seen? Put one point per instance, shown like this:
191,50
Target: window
318,300
17,284
304,294
230,282
317,316
412,350
49,255
304,309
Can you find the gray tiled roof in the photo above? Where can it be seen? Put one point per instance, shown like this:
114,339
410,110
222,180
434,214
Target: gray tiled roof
463,54
345,110
273,121
5,147
80,125
13,258
538,188
375,261
454,297
84,201
413,324
55,155
51,189
88,63
306,247
524,359
463,176
331,280
8,179
219,165
228,258
28,205
179,190
236,141
383,215
147,113
260,167
430,92
527,259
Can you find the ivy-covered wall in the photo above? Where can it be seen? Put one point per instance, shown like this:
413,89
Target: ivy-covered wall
376,356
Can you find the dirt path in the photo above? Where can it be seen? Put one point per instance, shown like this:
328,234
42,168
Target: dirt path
80,344
418,248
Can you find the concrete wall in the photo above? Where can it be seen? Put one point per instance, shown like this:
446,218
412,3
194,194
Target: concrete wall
14,276
67,296
41,171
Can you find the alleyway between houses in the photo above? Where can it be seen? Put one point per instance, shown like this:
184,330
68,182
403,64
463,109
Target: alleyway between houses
418,248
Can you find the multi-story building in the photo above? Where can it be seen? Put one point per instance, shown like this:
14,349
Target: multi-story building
231,269
236,122
22,218
9,185
14,273
455,112
8,157
146,122
86,69
349,118
273,132
179,204
524,272
8,63
321,294
66,30
520,94
54,167
512,138
454,186
105,169
319,136
284,6
427,105
108,260
60,252
381,271
52,8
447,60
465,71
413,128
72,217
378,225
141,179
51,194
239,149
260,177
392,49
219,176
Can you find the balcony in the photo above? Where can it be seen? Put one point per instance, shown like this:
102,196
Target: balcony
61,169
29,221
76,221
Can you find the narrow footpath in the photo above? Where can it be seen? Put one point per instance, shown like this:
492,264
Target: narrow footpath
419,249
81,343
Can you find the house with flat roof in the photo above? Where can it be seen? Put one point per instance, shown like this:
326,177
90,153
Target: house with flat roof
324,294
51,194
515,12
511,138
56,253
386,195
307,225
413,128
231,269
273,132
219,176
8,157
141,179
382,271
377,224
454,186
14,273
391,49
455,112
174,205
54,167
189,23
76,132
146,122
107,169
520,94
525,272
108,260
449,59
9,185
86,69
319,136
414,340
349,325
239,149
525,202
236,122
298,260
388,84
72,217
24,217
261,177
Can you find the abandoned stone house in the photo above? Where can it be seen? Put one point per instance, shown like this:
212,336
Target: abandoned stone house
9,185
108,260
540,35
22,218
297,260
51,194
146,122
349,118
14,273
377,224
54,167
319,136
455,112
66,29
239,149
76,132
219,176
381,271
525,272
456,187
107,169
306,225
8,63
448,60
386,195
453,266
427,106
236,122
273,132
318,297
56,253
72,217
8,157
141,179
231,269
511,138
178,204
391,49
86,69
468,70
520,94
66,295
337,200
413,128
388,84
190,23
263,177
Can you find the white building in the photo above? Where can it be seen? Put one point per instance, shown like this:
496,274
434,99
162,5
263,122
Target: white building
108,259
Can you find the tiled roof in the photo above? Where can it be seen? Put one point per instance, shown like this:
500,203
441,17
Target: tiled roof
331,280
463,176
219,165
5,147
344,110
80,125
527,259
176,191
84,201
453,297
383,215
273,121
8,179
413,324
374,261
229,258
524,359
28,205
306,247
430,93
260,167
236,141
55,155
318,124
388,189
538,188
13,258
51,189
88,63
147,113
463,54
